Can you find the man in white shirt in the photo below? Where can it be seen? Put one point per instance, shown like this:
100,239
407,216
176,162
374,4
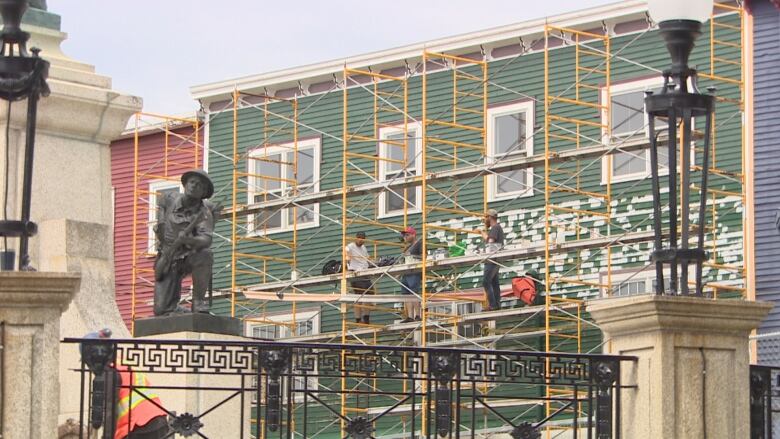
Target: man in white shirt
357,260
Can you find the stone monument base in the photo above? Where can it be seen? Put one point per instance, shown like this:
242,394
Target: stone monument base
214,398
189,322
691,376
31,304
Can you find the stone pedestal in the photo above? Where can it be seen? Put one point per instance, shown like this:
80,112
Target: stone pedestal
693,369
188,323
225,420
30,308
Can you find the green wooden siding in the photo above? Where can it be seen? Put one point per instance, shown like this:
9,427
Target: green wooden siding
525,218
511,79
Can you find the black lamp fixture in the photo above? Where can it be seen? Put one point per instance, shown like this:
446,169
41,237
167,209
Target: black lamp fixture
678,103
22,76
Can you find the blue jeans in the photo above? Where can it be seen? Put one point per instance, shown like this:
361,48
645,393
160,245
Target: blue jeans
411,283
491,285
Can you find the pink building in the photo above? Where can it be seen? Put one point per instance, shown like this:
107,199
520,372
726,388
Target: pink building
146,161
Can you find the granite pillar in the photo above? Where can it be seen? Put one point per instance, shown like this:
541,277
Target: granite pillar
692,374
30,308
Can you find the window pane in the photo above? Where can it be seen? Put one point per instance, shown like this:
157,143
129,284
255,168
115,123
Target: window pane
265,331
628,113
267,219
395,151
628,163
511,182
305,166
631,287
304,328
411,150
510,133
268,166
304,215
394,201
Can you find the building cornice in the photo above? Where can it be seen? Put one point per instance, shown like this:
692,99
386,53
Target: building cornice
611,14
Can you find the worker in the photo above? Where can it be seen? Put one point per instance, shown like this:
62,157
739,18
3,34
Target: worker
137,411
494,240
411,282
357,258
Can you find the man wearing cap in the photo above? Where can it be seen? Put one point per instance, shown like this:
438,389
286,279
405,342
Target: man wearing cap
357,259
494,240
185,224
411,282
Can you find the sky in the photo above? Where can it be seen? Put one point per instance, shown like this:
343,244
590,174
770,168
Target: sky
158,49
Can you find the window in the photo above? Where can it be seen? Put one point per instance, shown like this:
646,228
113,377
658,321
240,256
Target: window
392,202
281,327
275,173
640,281
157,191
465,330
628,124
510,134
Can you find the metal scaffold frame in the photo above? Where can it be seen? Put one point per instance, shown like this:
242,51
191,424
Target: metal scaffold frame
573,144
461,126
576,116
168,167
278,140
362,162
595,152
725,54
565,219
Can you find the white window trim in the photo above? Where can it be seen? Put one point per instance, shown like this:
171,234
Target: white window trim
492,180
206,124
384,133
454,310
646,273
606,96
154,187
315,144
313,316
638,85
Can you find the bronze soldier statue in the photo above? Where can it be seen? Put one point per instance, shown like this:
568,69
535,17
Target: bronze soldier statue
185,224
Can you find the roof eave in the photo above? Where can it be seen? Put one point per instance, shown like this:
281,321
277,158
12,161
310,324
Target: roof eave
223,89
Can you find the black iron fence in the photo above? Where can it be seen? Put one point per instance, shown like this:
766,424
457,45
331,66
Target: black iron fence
268,389
764,401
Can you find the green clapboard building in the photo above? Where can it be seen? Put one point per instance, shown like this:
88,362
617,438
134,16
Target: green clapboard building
542,121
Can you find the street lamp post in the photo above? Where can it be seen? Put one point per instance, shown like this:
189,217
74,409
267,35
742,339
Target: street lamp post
678,103
22,76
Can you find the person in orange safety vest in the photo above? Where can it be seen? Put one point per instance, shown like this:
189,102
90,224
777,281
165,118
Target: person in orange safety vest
136,412
141,415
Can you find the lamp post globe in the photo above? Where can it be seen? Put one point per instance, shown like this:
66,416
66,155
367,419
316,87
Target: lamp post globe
666,10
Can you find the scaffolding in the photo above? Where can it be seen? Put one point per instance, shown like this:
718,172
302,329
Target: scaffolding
376,147
382,166
157,169
451,138
724,73
265,167
576,117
